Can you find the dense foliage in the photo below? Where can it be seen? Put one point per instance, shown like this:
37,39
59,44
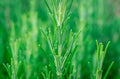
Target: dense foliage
56,39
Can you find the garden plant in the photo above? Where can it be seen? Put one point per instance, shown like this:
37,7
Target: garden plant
59,39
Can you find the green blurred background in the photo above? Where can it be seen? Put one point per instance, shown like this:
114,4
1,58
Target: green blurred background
98,19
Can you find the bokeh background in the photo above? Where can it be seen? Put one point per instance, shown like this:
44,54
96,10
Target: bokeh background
21,20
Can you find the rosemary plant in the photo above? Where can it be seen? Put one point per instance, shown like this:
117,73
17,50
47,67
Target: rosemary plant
62,47
33,58
26,45
100,59
13,49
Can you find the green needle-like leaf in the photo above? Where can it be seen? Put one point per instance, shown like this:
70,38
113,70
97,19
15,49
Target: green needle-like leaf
108,70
